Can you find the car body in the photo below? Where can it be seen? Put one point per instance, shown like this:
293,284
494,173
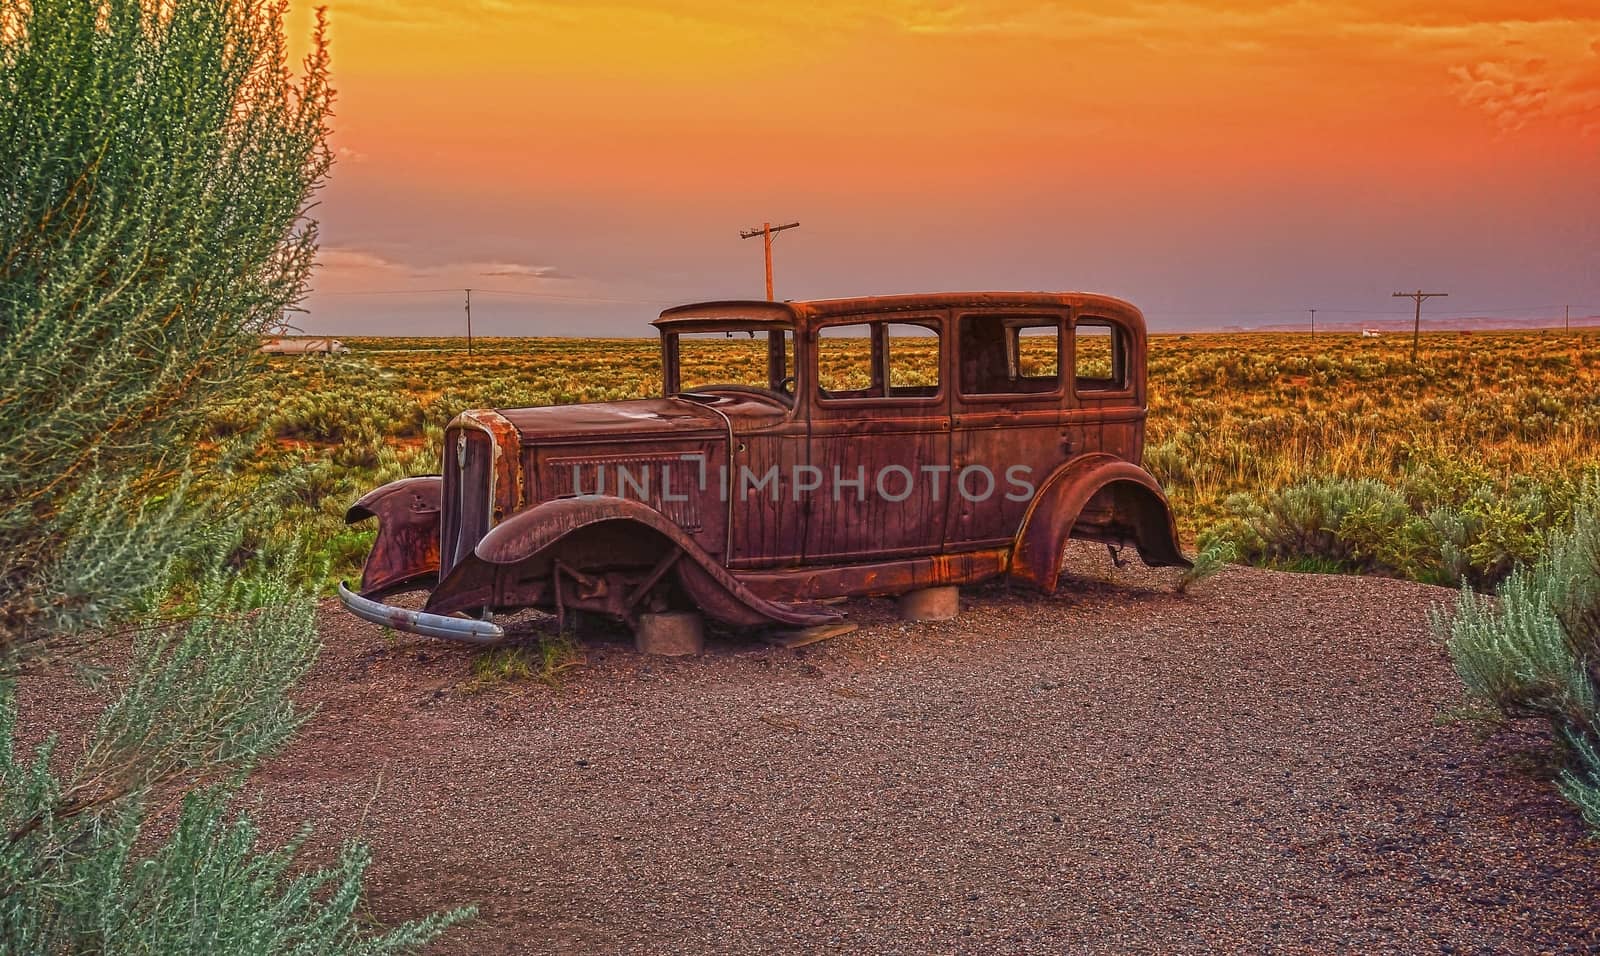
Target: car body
867,446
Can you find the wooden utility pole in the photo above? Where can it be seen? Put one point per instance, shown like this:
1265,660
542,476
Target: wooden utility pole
766,233
1569,318
469,322
1313,324
1416,323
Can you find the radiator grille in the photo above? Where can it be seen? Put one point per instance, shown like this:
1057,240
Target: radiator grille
468,503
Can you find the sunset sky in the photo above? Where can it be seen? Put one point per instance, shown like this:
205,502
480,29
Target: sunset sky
1215,163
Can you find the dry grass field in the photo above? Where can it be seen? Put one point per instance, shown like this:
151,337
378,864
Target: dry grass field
1333,453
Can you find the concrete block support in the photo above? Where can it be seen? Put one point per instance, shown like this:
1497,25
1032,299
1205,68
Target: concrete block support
930,604
670,634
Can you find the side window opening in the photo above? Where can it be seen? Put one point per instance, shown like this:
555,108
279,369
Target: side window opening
1010,355
1100,356
878,360
847,366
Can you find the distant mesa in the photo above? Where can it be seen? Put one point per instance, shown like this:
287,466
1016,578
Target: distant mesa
1372,328
303,345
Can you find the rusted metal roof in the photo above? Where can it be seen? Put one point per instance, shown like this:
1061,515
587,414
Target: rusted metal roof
765,314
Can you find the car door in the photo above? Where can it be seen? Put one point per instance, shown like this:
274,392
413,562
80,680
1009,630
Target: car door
1107,408
880,436
1007,425
767,523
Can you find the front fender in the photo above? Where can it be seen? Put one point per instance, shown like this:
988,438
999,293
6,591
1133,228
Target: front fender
406,551
1138,510
523,561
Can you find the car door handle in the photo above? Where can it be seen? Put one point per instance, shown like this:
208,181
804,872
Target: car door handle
1069,442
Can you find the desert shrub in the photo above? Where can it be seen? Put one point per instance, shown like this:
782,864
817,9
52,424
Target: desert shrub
1484,538
206,700
1208,562
1441,522
1535,653
156,161
154,164
1359,525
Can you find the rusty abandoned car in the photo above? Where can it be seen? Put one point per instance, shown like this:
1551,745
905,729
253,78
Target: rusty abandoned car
800,451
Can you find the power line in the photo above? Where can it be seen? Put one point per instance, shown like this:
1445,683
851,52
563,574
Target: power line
1291,310
546,296
1287,311
390,292
557,297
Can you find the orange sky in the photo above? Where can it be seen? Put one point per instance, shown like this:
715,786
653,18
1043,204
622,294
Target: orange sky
1206,160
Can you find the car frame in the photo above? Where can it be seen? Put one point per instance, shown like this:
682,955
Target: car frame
521,515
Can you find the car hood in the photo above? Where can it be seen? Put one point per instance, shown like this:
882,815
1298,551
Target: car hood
646,416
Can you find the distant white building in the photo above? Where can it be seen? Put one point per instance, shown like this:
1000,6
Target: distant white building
303,345
1370,333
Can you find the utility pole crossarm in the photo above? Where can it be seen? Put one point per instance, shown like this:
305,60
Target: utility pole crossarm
752,233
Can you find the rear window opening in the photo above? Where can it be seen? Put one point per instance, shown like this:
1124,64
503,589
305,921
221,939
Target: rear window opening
1099,356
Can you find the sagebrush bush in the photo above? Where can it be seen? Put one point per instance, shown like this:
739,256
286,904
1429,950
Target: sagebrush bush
1535,652
1359,525
157,161
205,702
1443,532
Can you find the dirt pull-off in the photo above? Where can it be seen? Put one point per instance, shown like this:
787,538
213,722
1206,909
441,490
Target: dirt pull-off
1270,763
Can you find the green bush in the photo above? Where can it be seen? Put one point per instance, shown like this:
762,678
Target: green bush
156,161
205,702
1535,653
156,165
1360,525
1441,523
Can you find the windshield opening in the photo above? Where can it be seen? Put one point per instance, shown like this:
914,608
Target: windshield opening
741,356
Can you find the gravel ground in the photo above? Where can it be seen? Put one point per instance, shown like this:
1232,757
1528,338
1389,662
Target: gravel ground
1266,764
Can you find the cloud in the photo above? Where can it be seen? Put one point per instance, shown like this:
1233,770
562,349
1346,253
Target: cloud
420,16
519,271
345,259
1511,96
1502,59
348,270
1557,79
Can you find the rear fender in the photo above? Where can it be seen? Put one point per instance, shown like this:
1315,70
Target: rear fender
1129,505
406,551
604,554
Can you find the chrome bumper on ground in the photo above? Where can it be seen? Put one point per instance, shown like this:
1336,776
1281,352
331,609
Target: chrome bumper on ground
421,622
